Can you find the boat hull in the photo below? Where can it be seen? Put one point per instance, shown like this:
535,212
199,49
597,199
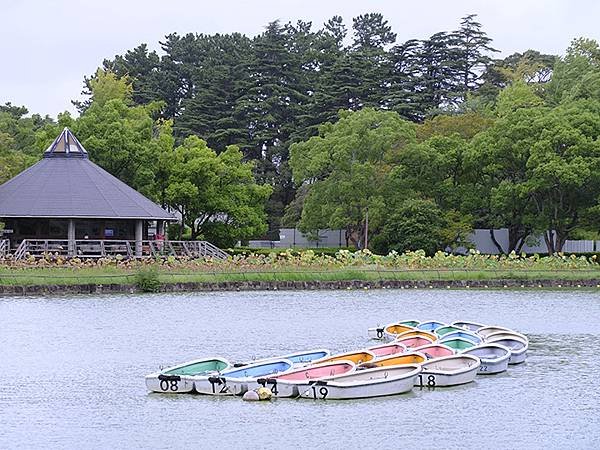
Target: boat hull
494,358
175,379
432,379
517,357
493,366
392,331
212,385
169,384
518,348
280,388
359,385
448,371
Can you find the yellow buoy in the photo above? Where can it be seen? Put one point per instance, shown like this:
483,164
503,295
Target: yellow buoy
264,393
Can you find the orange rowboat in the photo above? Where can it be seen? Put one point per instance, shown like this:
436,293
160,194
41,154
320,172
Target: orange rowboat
357,357
395,360
417,333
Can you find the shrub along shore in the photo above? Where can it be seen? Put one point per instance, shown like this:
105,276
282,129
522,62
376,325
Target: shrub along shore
297,270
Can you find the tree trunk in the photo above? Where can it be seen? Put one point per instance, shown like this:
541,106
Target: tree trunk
549,238
515,235
561,238
181,227
495,241
354,237
520,244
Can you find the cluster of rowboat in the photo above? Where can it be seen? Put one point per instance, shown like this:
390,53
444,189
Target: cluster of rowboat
426,354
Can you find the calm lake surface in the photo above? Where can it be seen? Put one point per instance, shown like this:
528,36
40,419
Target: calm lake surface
72,371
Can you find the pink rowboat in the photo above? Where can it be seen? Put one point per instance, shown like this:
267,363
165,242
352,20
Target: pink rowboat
434,350
387,349
286,385
414,341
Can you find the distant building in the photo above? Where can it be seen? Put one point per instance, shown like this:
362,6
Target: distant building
66,198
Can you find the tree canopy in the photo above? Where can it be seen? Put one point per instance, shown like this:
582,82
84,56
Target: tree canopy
343,126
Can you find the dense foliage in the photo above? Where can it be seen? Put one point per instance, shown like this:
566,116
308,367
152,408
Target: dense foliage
283,260
405,145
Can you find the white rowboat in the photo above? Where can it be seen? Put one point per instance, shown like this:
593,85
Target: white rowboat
467,325
487,331
448,371
494,357
518,346
377,382
173,380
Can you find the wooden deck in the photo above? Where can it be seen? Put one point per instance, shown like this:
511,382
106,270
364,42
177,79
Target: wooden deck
105,248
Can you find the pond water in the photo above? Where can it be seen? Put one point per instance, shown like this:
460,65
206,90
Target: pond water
72,371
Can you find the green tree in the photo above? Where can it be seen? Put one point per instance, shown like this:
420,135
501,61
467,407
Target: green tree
466,125
582,59
218,74
472,49
415,225
19,147
124,140
403,66
345,168
216,195
497,163
564,169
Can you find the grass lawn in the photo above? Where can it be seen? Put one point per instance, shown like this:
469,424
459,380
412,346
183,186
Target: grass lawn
116,275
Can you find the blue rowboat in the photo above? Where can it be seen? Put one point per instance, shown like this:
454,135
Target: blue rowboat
235,381
306,357
464,335
430,325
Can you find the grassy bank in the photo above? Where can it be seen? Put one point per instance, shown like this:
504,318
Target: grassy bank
116,275
291,266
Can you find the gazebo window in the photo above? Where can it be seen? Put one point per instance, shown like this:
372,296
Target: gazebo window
66,144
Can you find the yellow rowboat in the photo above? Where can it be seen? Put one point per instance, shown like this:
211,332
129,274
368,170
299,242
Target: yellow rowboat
417,333
357,357
395,360
393,330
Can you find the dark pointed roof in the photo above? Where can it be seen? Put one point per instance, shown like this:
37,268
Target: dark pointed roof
66,184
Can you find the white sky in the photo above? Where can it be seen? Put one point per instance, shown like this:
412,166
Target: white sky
47,46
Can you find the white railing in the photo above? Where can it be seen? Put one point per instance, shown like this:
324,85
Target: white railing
4,247
88,248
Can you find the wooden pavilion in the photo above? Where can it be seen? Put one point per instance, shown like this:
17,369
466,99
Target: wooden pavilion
68,205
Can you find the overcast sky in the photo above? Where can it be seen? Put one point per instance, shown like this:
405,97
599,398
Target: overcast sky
47,46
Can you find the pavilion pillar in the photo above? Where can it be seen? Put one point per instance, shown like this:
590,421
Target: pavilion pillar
160,227
71,238
139,227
